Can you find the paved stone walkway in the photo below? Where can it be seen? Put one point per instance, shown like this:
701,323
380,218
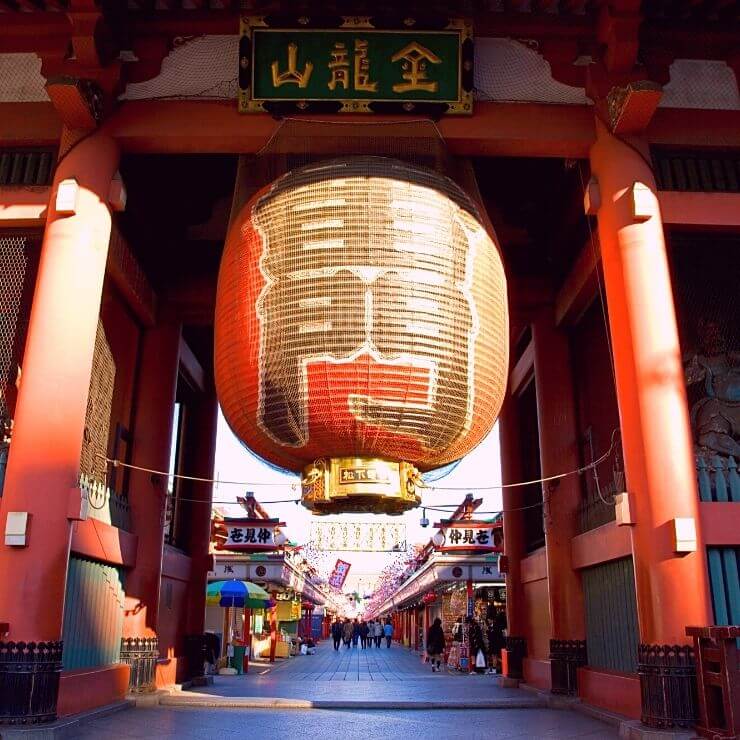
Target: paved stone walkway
212,724
375,674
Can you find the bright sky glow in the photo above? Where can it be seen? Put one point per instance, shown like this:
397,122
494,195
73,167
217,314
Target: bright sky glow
482,467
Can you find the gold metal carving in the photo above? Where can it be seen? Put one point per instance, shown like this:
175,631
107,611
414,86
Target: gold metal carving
361,486
291,76
414,67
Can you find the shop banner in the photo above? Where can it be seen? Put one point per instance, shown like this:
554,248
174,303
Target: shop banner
470,536
248,535
358,536
339,574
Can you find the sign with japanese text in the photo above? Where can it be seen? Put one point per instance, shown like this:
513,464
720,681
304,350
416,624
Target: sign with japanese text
359,536
339,574
355,67
249,535
467,535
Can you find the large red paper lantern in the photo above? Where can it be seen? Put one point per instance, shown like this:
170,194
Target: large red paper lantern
361,314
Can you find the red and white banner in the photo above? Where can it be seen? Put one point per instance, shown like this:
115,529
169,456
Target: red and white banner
339,574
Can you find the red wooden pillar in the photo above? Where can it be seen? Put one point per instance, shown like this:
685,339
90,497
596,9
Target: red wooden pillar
155,402
273,629
558,437
247,638
656,435
513,518
42,474
200,460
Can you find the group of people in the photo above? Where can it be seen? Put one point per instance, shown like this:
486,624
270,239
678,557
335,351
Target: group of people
484,640
366,633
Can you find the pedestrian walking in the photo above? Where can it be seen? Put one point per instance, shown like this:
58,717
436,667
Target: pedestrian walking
436,644
364,631
378,633
355,633
347,632
388,632
477,644
336,633
495,634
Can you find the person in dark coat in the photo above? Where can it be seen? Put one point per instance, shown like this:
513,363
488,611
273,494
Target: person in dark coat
355,633
336,633
364,631
476,641
495,634
436,644
347,633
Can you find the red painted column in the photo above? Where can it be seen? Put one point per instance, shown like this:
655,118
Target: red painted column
201,456
513,518
147,493
43,467
672,589
273,629
558,437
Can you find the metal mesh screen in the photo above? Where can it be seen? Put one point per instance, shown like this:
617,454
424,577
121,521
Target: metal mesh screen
18,260
361,310
99,403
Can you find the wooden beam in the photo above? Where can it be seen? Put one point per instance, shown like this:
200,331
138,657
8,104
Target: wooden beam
29,124
190,366
580,286
23,206
693,128
496,129
522,371
192,301
720,210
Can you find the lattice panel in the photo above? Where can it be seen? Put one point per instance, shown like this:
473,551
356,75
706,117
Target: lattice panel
99,405
361,311
17,269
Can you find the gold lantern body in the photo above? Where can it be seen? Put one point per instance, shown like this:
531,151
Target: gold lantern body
361,329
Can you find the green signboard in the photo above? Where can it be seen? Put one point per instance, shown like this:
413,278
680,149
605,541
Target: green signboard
355,67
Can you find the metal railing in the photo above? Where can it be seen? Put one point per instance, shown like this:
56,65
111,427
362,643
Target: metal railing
106,505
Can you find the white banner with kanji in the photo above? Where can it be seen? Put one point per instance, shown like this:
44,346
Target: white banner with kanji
248,535
475,538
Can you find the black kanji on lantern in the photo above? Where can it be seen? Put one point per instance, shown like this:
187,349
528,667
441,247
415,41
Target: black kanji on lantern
468,536
482,538
455,536
236,534
250,536
264,535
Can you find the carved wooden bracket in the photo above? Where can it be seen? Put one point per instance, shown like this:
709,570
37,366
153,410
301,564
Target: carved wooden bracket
79,102
630,108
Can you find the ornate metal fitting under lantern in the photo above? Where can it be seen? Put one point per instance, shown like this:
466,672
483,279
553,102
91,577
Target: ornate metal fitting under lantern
360,485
